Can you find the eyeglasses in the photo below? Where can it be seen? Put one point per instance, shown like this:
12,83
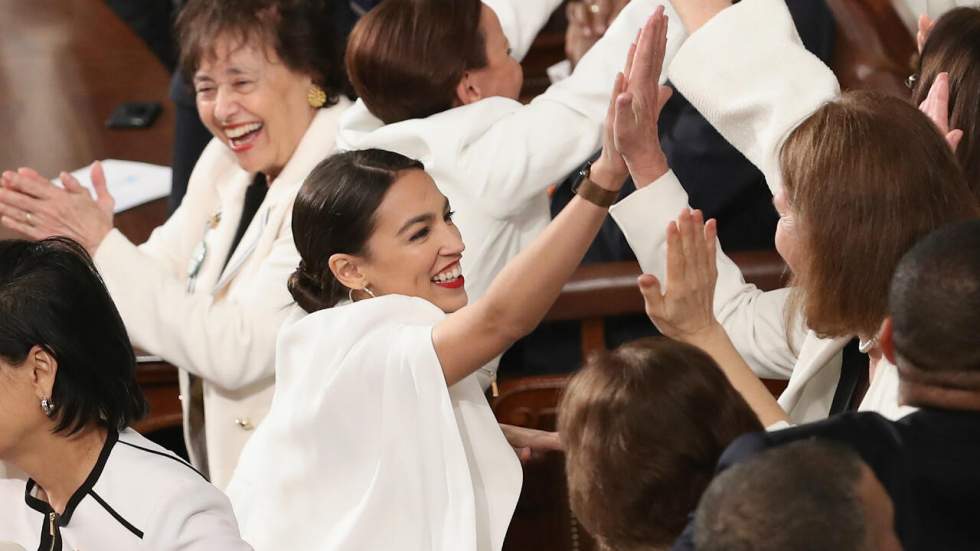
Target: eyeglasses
200,252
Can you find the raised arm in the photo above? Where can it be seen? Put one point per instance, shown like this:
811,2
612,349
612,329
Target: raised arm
522,20
747,72
519,156
521,295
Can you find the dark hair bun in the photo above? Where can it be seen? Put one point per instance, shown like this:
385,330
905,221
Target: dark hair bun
308,291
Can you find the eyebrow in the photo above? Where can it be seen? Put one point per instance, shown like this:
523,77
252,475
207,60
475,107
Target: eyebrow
422,218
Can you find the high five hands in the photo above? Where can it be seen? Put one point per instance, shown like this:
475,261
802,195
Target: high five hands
35,207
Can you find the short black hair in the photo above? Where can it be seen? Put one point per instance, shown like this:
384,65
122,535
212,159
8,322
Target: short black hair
934,301
52,296
801,496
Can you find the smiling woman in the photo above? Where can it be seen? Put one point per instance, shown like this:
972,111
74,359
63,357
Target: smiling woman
207,292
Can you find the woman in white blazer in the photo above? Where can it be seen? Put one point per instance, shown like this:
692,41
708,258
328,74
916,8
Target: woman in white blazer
449,99
857,180
68,393
207,292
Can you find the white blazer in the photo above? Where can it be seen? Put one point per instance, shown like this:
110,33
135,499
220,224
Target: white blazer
747,71
224,332
138,496
494,159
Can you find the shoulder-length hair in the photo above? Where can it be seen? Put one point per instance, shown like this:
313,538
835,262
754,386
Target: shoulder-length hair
866,175
406,57
643,427
51,296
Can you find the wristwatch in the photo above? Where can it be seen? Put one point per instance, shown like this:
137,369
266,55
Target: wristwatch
592,192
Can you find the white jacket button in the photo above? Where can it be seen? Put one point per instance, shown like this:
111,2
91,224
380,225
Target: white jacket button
244,423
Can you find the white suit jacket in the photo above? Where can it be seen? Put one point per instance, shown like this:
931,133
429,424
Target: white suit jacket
494,159
748,73
225,331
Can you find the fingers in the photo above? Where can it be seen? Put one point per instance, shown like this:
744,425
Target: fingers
20,201
925,26
21,227
630,56
675,255
941,101
102,195
31,183
70,183
666,92
645,48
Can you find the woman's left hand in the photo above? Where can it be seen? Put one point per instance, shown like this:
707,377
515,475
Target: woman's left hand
936,107
529,443
35,207
683,307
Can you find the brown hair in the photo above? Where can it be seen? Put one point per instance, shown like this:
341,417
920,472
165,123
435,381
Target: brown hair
334,213
866,175
303,33
954,47
406,57
643,427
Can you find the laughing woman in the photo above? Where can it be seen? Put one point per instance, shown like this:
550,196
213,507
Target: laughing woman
207,292
378,437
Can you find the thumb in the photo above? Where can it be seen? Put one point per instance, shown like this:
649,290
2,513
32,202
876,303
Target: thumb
652,295
664,96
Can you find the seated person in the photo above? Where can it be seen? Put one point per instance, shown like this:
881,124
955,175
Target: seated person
640,444
928,459
68,394
807,496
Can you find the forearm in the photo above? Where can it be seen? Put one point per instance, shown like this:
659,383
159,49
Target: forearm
716,343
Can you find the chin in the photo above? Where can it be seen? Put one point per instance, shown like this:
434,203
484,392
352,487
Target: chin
452,304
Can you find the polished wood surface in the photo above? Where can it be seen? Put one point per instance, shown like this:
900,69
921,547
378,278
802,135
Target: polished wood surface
874,50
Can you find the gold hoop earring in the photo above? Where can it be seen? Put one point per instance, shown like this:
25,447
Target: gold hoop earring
316,97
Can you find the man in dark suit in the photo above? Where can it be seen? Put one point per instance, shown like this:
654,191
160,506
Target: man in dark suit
929,461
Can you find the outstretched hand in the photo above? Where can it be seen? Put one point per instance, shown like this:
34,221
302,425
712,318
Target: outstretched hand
682,307
35,207
936,107
530,443
638,106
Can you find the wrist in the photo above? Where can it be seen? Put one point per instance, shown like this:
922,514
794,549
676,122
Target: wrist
704,337
606,175
649,170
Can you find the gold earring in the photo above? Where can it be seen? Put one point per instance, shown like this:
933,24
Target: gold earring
316,97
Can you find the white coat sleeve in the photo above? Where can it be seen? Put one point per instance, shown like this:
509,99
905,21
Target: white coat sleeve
522,20
231,342
522,154
195,516
753,319
748,73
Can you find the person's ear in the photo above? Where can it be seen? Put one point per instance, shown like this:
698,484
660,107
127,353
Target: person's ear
886,340
43,367
347,269
468,90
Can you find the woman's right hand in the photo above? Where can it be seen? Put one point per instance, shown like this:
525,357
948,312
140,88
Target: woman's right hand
683,307
936,107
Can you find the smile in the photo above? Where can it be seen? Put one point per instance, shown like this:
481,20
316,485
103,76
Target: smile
240,138
451,278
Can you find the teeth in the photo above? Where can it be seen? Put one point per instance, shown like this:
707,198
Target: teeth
448,275
240,131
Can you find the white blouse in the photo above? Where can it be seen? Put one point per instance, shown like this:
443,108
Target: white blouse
138,496
366,448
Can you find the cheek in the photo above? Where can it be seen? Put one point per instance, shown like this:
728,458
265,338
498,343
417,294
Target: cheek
786,242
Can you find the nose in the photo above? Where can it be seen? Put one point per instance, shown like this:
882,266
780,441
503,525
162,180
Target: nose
452,244
225,105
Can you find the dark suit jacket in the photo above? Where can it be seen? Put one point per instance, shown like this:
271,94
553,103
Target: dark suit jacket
928,461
